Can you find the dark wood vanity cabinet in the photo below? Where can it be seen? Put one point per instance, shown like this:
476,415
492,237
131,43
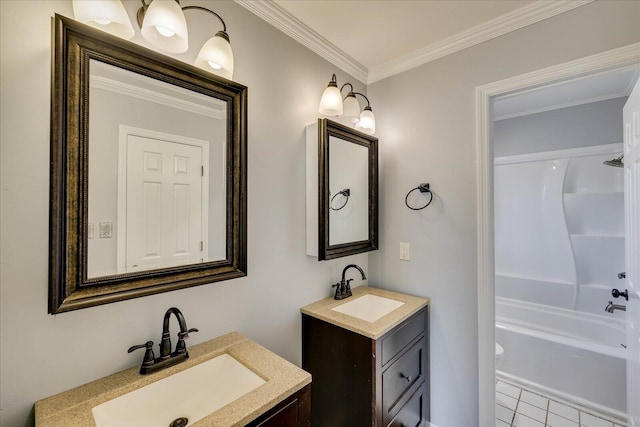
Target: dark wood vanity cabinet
359,381
294,411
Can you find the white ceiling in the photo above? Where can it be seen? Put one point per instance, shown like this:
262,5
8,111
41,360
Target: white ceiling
583,90
374,39
376,32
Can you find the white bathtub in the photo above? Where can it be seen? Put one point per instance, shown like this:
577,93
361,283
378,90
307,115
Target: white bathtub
578,357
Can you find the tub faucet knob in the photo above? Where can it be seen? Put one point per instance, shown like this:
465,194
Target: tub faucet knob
616,293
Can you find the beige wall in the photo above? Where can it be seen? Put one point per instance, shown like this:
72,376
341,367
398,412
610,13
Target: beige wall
43,354
426,125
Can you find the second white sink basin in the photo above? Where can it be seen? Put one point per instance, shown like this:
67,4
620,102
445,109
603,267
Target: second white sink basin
193,393
369,307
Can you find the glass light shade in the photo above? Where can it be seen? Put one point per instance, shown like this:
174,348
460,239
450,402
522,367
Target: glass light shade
367,123
216,56
164,26
106,15
351,109
331,101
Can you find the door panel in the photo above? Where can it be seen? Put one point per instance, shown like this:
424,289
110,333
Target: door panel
631,115
164,204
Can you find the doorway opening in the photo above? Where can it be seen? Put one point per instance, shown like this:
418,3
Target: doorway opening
576,72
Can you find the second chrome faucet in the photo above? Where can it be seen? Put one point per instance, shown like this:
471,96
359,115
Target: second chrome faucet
167,358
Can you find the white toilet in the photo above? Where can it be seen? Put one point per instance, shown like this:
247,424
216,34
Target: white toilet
499,354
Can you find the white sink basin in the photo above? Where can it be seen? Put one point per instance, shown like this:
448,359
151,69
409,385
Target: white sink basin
193,393
369,307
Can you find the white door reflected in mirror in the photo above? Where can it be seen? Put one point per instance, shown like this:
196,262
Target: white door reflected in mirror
157,173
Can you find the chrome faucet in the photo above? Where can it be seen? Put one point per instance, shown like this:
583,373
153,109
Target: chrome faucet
611,307
152,364
343,289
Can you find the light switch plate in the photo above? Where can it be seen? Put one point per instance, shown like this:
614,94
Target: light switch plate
405,249
106,230
92,230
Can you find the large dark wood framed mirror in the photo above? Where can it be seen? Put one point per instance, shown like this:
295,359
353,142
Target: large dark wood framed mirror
347,191
148,172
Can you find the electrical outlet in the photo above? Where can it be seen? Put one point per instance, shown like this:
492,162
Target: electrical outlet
106,230
405,251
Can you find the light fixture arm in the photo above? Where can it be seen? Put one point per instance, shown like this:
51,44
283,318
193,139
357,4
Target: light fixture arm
350,85
145,6
141,12
362,95
224,26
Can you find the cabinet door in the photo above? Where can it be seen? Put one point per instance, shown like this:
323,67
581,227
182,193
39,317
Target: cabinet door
291,412
342,365
415,412
402,378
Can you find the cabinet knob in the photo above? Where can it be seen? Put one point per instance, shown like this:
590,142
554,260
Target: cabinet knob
408,378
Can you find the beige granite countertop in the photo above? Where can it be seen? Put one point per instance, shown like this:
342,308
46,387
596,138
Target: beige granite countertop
73,407
323,310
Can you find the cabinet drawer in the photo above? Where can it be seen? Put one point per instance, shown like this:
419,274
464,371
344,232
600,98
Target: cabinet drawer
415,412
403,335
402,378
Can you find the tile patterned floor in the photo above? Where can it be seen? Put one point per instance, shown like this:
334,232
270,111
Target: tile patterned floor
518,407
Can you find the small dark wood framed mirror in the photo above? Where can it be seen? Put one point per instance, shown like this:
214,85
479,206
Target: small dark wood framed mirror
148,172
347,191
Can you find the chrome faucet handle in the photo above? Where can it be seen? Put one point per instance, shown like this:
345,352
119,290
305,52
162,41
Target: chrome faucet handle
149,356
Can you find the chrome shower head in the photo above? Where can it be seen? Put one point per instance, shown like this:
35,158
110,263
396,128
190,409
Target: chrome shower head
617,162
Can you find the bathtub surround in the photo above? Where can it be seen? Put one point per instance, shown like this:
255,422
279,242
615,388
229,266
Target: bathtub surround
559,227
425,122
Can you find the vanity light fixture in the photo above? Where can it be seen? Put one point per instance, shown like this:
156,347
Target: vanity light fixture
106,15
332,104
163,24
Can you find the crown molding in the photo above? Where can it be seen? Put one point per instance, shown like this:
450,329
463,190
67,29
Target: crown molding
561,106
519,18
100,82
294,28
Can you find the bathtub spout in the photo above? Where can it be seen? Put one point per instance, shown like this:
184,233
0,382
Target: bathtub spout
611,307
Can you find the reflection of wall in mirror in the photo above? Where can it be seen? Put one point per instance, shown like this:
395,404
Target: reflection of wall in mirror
348,168
108,110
